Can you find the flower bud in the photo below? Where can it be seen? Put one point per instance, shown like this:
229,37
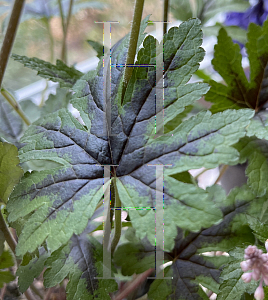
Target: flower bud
244,266
256,274
259,293
246,277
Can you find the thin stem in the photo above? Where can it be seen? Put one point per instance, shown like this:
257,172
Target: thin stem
10,36
12,101
133,40
63,29
8,236
165,16
223,170
117,230
107,232
64,45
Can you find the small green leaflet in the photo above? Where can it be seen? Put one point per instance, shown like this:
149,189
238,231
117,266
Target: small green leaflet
258,125
255,151
10,172
66,76
28,272
81,261
260,229
238,91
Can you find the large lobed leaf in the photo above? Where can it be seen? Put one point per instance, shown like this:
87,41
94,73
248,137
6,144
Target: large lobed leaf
238,91
51,201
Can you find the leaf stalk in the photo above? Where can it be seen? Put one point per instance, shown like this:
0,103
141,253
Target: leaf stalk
12,101
118,221
133,41
165,16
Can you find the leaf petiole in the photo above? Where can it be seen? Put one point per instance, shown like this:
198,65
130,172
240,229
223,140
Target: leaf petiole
117,214
12,101
133,41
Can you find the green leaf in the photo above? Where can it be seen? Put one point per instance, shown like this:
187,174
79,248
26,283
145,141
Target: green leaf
260,230
238,91
27,273
6,261
258,125
256,152
80,260
66,76
10,172
227,61
192,266
233,287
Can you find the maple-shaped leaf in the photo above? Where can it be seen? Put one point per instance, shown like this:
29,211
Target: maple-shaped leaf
239,92
81,261
66,76
255,151
190,264
55,199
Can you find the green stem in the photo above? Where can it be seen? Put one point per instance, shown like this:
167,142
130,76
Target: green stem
11,100
64,45
107,233
117,230
133,40
10,36
63,29
165,16
8,236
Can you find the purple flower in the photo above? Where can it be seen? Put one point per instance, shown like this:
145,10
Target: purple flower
257,262
256,14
